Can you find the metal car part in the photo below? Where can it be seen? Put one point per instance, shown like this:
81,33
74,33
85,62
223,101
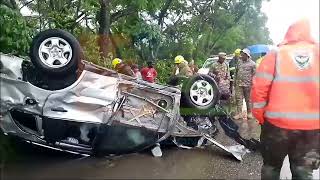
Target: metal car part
55,50
237,151
91,99
109,101
201,93
11,66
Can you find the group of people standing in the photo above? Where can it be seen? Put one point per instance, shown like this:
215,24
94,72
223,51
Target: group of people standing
284,89
285,94
236,76
183,67
147,73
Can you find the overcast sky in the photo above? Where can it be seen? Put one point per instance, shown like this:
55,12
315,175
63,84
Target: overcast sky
282,13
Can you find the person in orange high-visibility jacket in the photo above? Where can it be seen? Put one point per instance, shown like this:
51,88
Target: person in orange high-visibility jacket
285,98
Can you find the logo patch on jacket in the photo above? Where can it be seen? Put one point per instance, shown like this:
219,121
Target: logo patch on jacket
302,59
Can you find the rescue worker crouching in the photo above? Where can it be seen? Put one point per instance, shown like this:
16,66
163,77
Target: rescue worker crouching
122,68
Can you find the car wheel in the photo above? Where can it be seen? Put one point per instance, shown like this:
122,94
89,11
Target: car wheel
55,52
200,93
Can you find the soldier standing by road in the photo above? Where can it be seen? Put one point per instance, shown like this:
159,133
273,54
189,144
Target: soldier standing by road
220,72
245,72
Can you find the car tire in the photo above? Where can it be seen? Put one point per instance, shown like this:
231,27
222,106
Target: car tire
199,95
55,52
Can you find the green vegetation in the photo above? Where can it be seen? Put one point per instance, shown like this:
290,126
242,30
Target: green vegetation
15,35
140,30
136,30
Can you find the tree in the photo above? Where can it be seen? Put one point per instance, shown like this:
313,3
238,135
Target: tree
14,31
151,29
104,26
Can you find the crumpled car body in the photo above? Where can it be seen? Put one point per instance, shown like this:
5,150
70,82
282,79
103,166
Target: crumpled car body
98,111
101,112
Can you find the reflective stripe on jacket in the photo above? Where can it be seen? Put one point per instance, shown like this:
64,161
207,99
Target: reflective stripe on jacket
285,88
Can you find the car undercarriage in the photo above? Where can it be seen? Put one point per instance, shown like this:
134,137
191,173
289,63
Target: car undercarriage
96,111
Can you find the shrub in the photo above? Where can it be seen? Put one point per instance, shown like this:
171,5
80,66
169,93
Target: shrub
15,35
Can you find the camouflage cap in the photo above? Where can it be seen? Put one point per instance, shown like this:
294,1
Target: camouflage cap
222,54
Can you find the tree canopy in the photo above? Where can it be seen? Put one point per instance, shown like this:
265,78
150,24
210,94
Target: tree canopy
139,30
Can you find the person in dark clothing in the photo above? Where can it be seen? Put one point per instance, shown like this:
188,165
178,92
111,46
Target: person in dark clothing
234,61
233,67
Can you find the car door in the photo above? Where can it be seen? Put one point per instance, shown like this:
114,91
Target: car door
90,99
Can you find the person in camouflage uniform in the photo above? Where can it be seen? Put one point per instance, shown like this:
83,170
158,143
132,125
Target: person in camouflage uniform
243,81
220,72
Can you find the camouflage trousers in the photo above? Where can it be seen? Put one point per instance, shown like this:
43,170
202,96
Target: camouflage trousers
301,146
240,93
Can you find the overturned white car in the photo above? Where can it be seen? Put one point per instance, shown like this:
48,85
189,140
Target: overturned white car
57,100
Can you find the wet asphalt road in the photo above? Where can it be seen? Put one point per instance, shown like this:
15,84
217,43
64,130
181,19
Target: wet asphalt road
176,163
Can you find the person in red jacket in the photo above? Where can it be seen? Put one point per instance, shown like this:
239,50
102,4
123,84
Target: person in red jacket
285,97
149,73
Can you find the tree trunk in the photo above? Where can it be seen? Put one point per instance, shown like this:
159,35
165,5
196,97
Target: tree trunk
115,45
163,13
104,26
